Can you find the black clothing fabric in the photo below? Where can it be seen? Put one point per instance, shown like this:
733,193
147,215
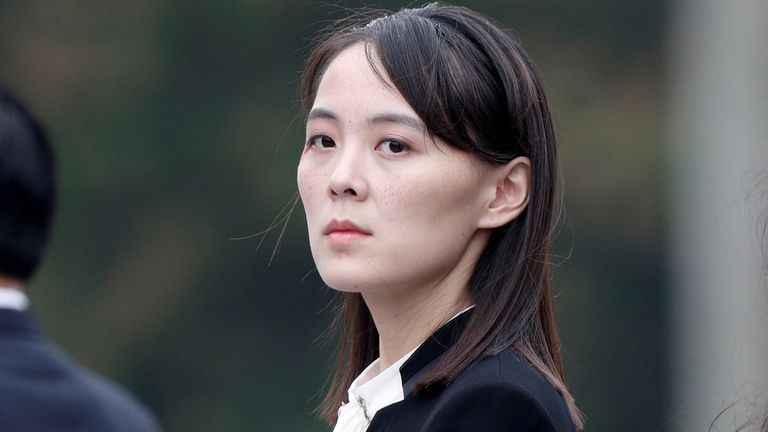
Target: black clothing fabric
498,393
42,390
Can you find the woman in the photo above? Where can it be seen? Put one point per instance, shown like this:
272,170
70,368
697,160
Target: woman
428,180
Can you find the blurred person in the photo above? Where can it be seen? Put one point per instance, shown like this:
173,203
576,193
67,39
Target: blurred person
429,180
41,389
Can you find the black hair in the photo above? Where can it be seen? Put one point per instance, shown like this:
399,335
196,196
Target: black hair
27,189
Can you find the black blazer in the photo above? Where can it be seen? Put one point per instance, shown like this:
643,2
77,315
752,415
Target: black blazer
499,393
41,390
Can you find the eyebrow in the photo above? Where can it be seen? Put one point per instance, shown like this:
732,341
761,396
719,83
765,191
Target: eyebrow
321,113
403,119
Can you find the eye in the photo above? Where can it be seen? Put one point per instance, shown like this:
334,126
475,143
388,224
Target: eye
321,142
394,147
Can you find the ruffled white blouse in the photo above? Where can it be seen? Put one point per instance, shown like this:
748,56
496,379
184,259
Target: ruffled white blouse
371,391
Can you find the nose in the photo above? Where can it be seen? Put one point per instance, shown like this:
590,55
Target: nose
348,177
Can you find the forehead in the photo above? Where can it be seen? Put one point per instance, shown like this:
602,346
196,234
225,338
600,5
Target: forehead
351,82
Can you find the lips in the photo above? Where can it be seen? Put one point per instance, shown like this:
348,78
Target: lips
344,227
343,235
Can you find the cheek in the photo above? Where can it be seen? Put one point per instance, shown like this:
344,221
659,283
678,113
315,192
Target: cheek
308,180
429,198
429,219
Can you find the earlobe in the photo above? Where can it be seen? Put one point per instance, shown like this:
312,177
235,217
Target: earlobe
512,185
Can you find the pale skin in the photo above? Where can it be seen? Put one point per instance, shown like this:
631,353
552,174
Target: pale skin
393,213
8,282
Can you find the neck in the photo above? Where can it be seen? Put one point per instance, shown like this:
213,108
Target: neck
402,327
12,283
407,316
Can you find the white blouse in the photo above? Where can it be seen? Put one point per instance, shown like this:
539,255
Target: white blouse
371,391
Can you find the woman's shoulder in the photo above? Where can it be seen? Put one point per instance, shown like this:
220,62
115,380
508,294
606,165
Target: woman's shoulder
509,369
499,391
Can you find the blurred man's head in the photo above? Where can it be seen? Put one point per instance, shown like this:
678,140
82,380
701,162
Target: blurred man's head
27,189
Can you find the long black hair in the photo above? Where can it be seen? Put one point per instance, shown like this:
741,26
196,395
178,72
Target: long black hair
475,88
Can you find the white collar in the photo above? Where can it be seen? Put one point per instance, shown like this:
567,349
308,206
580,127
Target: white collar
379,388
12,298
369,392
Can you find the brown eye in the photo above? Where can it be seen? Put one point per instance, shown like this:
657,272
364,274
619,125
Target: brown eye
321,142
394,147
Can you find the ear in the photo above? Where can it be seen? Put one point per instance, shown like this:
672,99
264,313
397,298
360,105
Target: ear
512,182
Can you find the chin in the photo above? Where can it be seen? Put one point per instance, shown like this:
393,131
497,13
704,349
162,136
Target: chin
344,280
343,283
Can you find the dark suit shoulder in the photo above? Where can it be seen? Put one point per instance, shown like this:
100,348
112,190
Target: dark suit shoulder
118,404
42,389
501,393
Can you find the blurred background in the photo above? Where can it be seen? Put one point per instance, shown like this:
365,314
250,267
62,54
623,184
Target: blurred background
177,130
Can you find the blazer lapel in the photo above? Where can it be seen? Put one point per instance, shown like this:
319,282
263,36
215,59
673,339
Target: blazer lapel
430,352
419,364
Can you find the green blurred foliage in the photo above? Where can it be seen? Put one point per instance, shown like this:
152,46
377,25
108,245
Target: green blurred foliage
177,129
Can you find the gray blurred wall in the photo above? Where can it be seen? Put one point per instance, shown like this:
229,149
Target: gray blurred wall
718,156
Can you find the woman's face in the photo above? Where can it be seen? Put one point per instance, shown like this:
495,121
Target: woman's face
388,207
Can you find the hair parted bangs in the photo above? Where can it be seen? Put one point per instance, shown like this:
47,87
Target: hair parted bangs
475,88
448,79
